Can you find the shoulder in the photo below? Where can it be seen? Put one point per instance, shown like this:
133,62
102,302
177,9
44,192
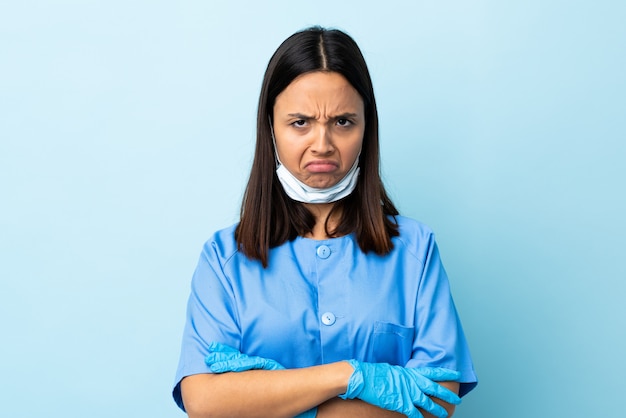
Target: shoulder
415,236
411,228
222,245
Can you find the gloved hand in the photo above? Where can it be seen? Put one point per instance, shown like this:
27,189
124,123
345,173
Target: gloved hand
401,389
223,358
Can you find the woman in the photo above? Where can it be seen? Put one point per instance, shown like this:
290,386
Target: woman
322,301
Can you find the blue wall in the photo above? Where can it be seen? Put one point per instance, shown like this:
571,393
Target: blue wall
126,133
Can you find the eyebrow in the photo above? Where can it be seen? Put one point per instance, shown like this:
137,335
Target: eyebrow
346,115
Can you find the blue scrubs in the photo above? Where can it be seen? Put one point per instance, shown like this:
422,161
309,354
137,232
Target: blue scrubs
324,301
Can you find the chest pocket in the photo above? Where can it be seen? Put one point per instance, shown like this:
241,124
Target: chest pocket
391,343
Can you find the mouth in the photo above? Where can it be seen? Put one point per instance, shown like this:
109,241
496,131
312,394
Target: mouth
321,166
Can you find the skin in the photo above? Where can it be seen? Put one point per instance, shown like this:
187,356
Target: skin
284,392
318,126
319,122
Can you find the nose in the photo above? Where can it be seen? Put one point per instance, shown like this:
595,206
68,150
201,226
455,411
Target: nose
322,141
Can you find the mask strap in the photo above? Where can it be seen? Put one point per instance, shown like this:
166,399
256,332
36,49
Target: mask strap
278,163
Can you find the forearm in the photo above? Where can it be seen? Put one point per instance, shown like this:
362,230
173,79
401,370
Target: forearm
262,393
454,387
339,408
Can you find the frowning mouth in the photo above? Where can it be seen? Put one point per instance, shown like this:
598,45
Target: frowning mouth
321,166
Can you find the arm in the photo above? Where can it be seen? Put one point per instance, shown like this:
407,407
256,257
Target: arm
339,408
454,387
254,393
283,392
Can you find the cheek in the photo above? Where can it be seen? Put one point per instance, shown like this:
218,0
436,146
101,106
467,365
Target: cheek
288,153
358,145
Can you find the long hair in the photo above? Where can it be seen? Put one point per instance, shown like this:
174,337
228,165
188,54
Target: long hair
268,216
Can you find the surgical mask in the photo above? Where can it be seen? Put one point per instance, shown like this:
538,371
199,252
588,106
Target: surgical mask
299,191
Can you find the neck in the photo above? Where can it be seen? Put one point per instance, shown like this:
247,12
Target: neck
321,211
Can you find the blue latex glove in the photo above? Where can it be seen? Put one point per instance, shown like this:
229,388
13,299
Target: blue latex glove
223,358
401,389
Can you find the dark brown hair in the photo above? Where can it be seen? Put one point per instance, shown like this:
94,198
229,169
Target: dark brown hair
268,216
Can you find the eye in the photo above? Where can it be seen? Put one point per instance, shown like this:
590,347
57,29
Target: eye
299,123
344,122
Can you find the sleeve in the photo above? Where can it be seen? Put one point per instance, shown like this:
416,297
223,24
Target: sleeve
211,316
439,338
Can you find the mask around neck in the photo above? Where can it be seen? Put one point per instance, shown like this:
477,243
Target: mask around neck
299,191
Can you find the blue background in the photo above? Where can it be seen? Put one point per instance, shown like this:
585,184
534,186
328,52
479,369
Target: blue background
126,135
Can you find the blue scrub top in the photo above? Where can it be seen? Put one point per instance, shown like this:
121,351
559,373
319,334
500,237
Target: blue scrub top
322,301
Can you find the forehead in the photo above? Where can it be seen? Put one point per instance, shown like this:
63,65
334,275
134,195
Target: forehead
329,90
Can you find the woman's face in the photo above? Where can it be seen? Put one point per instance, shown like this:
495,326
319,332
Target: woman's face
319,121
